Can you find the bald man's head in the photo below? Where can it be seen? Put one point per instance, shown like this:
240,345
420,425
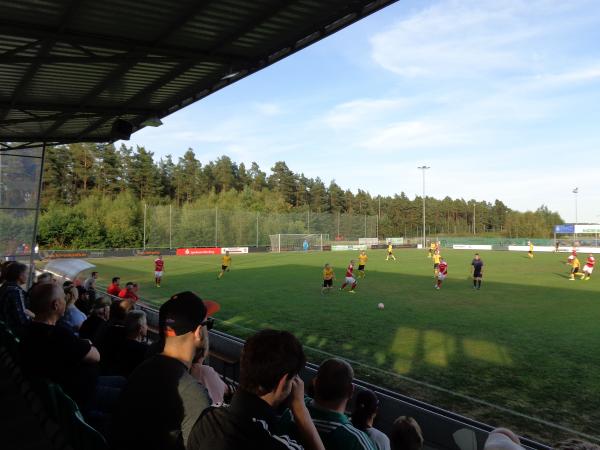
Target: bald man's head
47,301
333,382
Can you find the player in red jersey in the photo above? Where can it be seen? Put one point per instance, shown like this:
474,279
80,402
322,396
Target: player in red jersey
159,266
442,273
350,280
589,267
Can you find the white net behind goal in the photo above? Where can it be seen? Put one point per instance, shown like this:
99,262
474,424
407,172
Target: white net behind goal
298,242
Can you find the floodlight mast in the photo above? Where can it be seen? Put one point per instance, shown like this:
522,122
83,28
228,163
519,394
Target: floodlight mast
575,191
423,168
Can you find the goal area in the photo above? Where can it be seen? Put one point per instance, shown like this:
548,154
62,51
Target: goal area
298,242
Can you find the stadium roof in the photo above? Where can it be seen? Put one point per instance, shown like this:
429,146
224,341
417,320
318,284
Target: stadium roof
69,69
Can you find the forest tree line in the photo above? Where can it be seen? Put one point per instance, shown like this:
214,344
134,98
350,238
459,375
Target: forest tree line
94,196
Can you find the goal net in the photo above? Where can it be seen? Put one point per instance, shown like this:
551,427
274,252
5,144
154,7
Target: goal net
298,242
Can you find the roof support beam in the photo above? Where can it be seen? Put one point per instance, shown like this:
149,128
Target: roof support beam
117,59
182,68
118,45
46,46
118,73
49,107
22,48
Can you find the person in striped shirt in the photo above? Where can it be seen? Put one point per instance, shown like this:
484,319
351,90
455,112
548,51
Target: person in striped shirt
333,390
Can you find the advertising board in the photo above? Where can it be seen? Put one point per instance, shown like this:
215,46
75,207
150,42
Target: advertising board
338,248
234,250
195,251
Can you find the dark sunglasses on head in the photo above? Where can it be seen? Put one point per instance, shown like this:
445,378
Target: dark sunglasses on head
209,323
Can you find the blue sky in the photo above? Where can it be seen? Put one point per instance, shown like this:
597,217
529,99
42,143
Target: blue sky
500,97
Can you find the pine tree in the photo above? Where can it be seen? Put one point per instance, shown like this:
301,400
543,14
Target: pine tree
187,177
166,171
109,178
144,178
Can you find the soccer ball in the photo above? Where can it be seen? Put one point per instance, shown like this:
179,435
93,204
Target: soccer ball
381,306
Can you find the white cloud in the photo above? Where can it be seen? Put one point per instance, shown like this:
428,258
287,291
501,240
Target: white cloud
268,109
415,134
356,112
473,37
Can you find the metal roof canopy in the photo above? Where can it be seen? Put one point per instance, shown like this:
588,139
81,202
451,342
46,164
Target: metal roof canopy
69,69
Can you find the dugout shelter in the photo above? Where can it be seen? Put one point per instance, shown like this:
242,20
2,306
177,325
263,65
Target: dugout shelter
98,71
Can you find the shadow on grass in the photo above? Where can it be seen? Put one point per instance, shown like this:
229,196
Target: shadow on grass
528,348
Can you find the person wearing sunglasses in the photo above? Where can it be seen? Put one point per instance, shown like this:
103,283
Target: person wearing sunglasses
161,396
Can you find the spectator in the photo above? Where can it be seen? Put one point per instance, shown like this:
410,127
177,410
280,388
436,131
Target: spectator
83,300
206,375
502,439
406,434
129,292
3,266
73,317
55,353
90,286
115,334
12,298
119,310
95,327
333,390
269,367
115,287
166,414
44,278
366,407
131,351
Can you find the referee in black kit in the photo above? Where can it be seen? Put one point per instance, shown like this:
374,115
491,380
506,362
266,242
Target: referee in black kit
477,264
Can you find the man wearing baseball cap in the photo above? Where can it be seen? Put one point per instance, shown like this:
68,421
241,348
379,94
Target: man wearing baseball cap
162,401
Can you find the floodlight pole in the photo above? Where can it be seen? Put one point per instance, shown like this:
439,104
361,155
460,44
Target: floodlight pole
576,192
170,226
423,168
144,238
379,216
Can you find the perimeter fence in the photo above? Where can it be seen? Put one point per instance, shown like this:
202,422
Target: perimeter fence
171,227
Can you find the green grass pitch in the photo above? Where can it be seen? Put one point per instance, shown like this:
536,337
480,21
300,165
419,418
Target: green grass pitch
527,341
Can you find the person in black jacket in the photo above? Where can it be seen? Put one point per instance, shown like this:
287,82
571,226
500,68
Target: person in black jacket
162,401
96,325
132,349
13,311
269,367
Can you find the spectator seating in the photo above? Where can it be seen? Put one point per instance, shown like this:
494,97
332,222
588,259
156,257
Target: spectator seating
41,414
46,418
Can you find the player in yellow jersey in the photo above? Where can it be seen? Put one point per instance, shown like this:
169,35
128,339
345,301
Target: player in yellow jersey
328,277
432,248
362,262
390,252
530,253
436,263
225,264
575,266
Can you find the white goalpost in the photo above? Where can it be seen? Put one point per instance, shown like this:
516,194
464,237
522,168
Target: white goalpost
298,242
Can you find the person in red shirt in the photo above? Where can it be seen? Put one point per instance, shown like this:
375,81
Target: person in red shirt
129,292
589,267
114,287
350,280
159,266
442,273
